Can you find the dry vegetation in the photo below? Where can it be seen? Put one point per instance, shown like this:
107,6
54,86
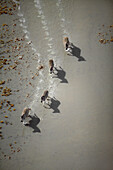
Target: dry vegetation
14,54
106,34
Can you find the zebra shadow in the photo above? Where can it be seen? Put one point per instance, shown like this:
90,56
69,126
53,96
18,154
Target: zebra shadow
60,74
33,123
75,51
53,104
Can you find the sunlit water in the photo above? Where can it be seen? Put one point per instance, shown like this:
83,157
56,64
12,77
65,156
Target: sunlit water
80,136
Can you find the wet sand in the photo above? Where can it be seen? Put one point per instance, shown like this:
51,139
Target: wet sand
76,133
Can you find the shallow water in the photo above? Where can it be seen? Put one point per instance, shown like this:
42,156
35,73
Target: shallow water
78,133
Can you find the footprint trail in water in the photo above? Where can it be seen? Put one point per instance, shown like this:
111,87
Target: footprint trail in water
50,42
62,18
36,95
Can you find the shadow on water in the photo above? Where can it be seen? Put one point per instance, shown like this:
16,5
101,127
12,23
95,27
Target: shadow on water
53,104
75,51
61,75
33,123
